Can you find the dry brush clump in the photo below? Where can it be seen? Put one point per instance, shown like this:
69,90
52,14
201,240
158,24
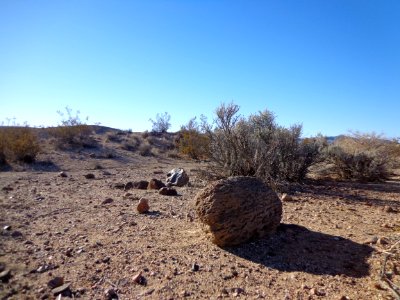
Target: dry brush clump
258,146
364,157
192,141
18,144
72,132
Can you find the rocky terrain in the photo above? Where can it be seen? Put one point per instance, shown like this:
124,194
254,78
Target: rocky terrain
77,235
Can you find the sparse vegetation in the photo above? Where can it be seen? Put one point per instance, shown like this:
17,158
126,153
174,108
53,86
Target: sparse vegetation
72,132
365,157
162,123
192,141
257,146
18,144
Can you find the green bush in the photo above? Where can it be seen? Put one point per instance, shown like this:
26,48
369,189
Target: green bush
257,146
18,144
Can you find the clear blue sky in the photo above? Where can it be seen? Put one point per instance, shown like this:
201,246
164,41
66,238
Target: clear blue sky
332,65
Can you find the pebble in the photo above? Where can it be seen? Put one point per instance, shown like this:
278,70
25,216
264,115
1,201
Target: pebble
89,176
7,227
195,267
286,197
55,282
388,209
382,241
5,275
143,206
139,279
107,201
110,294
62,174
371,240
61,289
166,191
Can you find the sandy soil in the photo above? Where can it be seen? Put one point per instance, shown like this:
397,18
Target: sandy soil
330,245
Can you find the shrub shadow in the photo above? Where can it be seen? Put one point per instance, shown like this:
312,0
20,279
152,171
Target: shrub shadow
296,248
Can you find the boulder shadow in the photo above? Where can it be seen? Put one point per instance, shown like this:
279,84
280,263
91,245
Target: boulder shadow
296,248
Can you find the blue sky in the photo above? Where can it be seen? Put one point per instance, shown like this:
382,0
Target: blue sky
331,65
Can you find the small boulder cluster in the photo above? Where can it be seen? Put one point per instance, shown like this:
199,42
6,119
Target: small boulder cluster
176,177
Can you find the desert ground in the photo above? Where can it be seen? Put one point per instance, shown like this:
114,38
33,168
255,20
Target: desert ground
78,237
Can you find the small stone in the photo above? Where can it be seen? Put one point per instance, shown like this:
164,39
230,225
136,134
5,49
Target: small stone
128,186
237,291
55,282
119,185
195,267
110,294
61,289
382,241
106,260
155,184
107,201
68,253
106,173
379,286
389,209
185,293
166,191
90,176
5,276
143,206
371,240
141,185
286,197
139,279
62,174
7,227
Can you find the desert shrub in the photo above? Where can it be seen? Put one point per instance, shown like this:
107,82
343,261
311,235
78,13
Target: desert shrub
192,141
257,146
162,123
145,149
132,144
18,144
365,157
72,131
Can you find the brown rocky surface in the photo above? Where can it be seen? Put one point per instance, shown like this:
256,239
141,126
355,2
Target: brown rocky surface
52,226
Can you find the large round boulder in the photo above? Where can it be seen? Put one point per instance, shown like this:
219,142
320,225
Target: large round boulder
238,209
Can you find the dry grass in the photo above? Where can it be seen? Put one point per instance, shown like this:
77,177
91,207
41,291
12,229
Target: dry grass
18,144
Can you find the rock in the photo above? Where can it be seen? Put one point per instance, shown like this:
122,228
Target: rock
195,267
143,206
371,240
167,191
389,209
63,289
106,173
119,185
89,176
139,279
155,184
141,185
286,197
62,174
177,177
7,228
55,282
107,201
382,241
128,186
238,209
16,234
110,294
5,276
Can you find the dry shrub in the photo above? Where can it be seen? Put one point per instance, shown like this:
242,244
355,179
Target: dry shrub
132,144
257,146
18,144
365,157
72,132
145,149
192,141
